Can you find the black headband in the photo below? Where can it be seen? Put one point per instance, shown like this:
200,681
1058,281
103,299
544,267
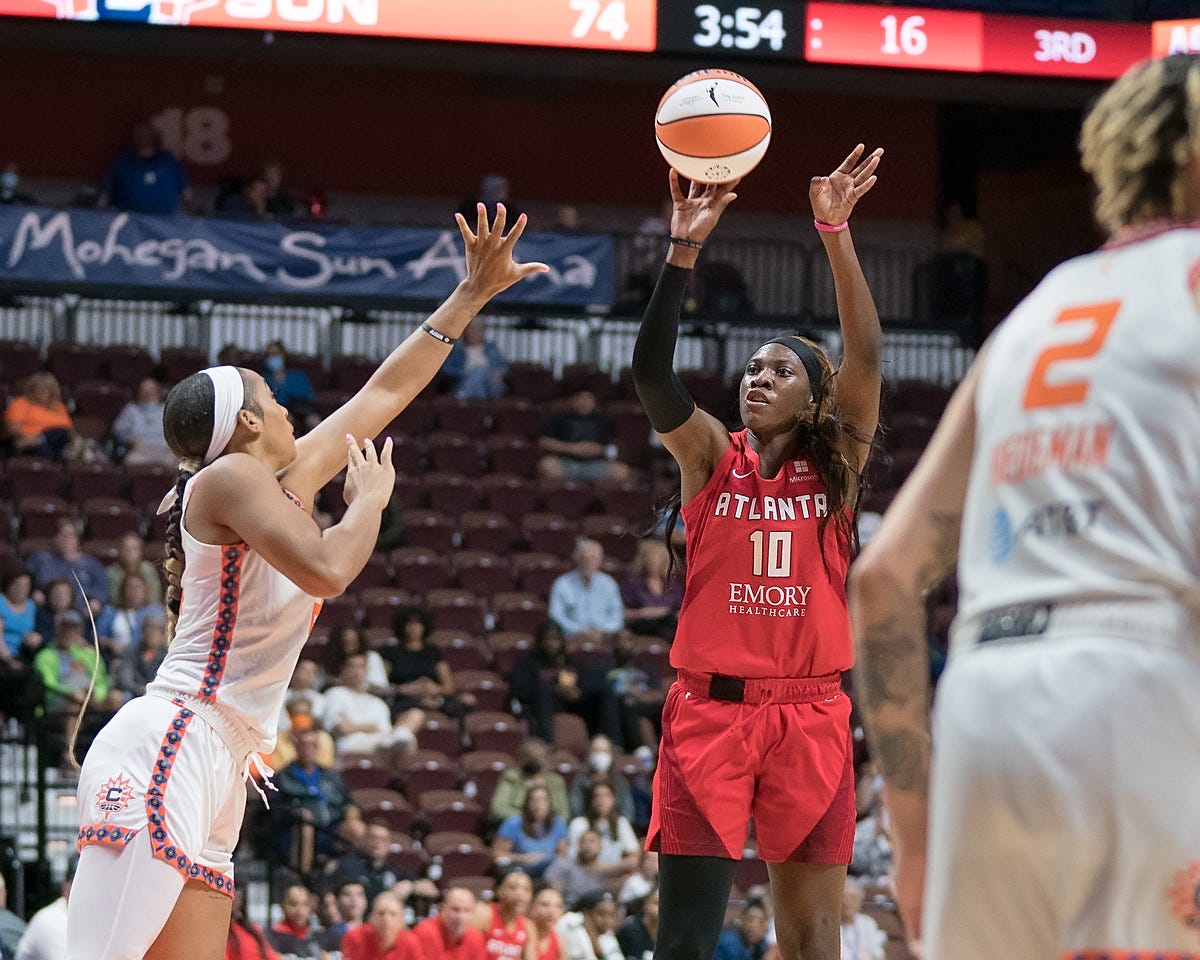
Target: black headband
808,358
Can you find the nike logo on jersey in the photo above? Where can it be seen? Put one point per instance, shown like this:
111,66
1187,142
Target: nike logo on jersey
741,476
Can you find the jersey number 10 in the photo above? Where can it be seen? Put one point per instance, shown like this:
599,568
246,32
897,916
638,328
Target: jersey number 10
1039,392
772,553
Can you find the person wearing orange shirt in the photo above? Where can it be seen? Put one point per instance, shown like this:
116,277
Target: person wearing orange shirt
37,421
449,934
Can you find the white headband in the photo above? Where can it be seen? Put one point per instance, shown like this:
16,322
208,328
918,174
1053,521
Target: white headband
229,396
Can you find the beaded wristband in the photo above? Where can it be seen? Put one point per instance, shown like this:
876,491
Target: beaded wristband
437,334
831,227
684,242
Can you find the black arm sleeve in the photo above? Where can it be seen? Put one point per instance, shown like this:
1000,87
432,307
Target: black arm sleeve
663,395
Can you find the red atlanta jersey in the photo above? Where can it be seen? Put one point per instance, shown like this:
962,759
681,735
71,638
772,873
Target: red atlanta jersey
758,600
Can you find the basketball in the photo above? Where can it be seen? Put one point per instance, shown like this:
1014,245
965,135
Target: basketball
713,126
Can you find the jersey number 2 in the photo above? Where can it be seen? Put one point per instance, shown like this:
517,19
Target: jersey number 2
1039,392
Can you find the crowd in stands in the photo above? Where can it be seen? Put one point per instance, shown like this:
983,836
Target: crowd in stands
484,700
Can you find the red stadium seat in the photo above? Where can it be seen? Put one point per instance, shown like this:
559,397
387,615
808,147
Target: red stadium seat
18,359
455,609
488,730
482,770
350,372
149,484
461,650
379,605
618,538
482,571
427,770
407,858
632,501
100,398
471,417
106,550
536,572
452,493
488,530
34,477
430,529
92,428
361,772
489,689
416,419
96,480
73,362
455,453
128,364
550,533
510,494
507,646
586,376
377,573
338,612
441,733
569,498
518,611
421,569
517,415
571,734
39,515
107,517
179,363
410,490
446,811
533,382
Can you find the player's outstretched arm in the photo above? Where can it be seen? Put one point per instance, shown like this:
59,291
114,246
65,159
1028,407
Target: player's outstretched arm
694,438
857,386
239,498
915,548
490,270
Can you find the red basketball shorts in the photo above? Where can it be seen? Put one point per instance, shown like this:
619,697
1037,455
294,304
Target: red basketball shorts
782,757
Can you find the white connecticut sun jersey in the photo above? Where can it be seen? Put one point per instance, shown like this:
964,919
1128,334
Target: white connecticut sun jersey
1083,509
242,625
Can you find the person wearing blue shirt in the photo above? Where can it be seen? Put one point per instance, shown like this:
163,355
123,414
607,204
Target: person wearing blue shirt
67,562
476,367
17,610
291,388
533,837
746,939
586,602
147,178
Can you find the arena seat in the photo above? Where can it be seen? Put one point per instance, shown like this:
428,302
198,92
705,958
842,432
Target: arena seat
470,417
416,418
427,770
431,529
407,858
18,359
455,453
452,493
506,646
350,372
516,415
179,363
488,530
34,477
484,571
127,364
493,730
107,517
148,484
441,733
482,770
571,734
379,604
511,494
461,649
550,533
100,398
614,534
569,498
38,514
453,608
632,502
518,610
533,381
536,572
339,612
489,689
420,569
86,480
586,376
376,573
362,772
448,811
74,362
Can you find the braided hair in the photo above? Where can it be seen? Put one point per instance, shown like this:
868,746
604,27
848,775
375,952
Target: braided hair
819,431
188,427
1140,137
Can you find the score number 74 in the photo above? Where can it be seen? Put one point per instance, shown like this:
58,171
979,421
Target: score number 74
606,17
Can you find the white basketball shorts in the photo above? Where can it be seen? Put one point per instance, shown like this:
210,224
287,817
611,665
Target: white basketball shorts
1063,806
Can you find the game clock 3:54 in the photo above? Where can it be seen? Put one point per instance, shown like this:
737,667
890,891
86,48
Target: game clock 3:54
735,29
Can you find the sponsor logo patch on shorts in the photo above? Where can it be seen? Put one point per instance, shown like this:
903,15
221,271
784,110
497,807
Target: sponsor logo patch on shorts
114,795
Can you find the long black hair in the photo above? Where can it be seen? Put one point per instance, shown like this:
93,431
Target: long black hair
188,414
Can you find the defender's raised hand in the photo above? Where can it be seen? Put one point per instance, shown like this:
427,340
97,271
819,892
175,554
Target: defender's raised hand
491,268
834,196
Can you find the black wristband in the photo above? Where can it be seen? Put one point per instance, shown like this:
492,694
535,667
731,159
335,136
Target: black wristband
437,334
685,242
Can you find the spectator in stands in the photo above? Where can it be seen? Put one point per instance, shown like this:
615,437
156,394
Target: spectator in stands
493,189
577,875
349,641
417,672
861,937
66,668
639,932
137,665
246,940
303,687
131,561
297,934
138,428
643,881
350,902
532,769
588,930
278,202
36,421
68,562
362,722
635,692
532,839
503,922
448,935
57,596
476,367
641,785
10,186
146,178
383,936
747,938
586,601
120,624
295,718
11,926
544,913
577,443
600,769
17,610
45,937
652,599
546,680
568,219
619,848
312,803
291,388
368,862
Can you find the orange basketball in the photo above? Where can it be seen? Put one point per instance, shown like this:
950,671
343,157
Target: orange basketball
713,126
